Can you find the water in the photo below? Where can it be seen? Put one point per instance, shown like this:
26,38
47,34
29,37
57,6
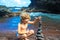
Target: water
15,9
11,24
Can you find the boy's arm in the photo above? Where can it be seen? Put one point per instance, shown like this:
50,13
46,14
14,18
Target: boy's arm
19,26
35,20
31,22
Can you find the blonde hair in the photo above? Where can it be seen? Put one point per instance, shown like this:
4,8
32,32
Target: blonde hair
25,15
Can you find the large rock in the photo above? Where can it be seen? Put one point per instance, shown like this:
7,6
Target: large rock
49,5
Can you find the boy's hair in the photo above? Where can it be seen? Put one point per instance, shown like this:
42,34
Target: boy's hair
25,15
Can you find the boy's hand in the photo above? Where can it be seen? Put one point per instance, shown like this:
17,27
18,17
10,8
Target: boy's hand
38,18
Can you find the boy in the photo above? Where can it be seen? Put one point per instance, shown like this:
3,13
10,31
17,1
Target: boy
22,27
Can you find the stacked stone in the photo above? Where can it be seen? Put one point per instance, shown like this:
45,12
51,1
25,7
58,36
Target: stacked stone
39,34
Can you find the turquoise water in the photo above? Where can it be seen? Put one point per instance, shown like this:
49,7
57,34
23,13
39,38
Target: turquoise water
53,16
12,22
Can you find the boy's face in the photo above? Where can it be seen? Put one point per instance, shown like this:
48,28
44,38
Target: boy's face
25,20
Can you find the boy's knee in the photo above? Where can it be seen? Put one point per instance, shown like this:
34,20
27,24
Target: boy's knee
32,31
24,35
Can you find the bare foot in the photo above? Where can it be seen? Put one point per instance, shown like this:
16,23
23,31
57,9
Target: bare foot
26,39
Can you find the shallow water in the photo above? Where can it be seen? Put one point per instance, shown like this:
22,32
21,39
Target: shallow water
11,24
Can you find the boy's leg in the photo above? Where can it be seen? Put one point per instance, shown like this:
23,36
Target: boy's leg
30,32
25,36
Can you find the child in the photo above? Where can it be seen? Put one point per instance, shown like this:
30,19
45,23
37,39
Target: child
22,27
